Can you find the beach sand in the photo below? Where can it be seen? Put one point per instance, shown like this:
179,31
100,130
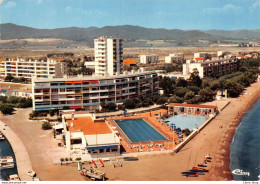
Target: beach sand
42,149
212,139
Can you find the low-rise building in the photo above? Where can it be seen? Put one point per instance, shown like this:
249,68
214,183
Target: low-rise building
29,68
149,59
90,92
83,132
175,58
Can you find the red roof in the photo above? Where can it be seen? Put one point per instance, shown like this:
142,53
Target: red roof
239,56
86,125
200,58
129,62
193,105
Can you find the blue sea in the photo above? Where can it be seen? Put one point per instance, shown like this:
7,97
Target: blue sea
6,150
245,147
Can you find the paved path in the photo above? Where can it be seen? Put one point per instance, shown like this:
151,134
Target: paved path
22,158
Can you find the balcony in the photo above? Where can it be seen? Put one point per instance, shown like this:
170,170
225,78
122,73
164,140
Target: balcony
66,92
38,93
38,100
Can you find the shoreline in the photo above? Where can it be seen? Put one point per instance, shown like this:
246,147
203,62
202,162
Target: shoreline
211,139
21,155
232,130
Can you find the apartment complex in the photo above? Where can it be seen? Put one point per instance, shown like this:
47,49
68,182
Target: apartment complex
175,58
211,68
149,59
108,56
88,92
29,68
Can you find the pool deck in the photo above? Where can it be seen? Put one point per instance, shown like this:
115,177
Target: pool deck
157,123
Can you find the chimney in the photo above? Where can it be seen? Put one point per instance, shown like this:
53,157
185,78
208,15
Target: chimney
72,116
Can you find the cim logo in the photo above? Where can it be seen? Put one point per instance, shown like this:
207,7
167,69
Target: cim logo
240,172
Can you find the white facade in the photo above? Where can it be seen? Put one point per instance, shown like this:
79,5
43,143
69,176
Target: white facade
90,64
149,59
108,56
29,68
211,68
174,58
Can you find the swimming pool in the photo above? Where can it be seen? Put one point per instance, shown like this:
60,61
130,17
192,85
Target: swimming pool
139,130
187,121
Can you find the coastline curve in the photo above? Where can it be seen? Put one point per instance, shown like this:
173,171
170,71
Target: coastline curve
22,157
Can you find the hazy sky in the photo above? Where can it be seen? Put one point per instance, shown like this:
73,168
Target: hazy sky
170,14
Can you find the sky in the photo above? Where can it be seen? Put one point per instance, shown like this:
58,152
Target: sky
169,14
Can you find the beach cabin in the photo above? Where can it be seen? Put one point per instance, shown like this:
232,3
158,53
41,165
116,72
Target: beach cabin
84,132
193,109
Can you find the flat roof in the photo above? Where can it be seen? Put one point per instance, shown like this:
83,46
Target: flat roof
101,139
88,126
93,77
193,105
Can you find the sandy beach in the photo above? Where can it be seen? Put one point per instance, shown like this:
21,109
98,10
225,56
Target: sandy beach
214,139
43,149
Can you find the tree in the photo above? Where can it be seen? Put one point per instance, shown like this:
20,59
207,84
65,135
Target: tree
194,79
162,100
206,95
111,106
46,126
234,89
175,99
6,109
167,84
181,83
9,78
129,104
189,95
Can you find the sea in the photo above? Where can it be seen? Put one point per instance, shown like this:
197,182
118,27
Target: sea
6,150
245,147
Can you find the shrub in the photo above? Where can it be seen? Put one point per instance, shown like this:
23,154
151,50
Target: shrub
129,104
162,100
46,126
6,109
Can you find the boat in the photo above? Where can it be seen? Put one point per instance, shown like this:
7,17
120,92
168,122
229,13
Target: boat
208,157
31,173
202,165
2,137
13,177
93,173
197,171
200,169
189,174
6,162
36,179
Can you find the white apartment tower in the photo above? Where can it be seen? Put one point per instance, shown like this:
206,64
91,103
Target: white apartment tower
108,56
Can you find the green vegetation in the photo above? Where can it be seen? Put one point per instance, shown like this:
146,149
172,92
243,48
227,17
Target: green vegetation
110,107
6,108
46,126
196,90
10,78
18,102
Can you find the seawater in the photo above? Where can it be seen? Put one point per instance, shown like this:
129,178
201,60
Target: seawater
6,150
245,147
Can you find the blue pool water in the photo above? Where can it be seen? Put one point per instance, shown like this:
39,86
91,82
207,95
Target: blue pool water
137,130
245,147
187,121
